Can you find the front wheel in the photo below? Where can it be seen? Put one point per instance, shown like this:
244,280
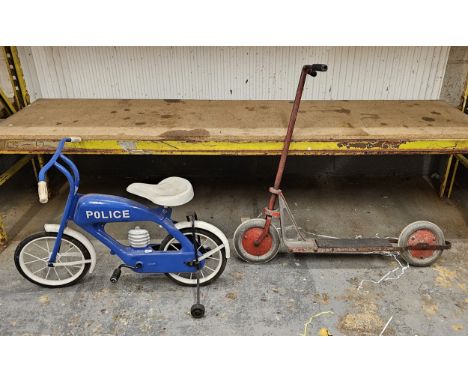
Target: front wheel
32,257
214,264
244,239
421,232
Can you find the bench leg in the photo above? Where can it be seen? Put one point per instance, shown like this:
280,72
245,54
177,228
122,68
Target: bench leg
3,235
443,185
454,174
459,158
4,177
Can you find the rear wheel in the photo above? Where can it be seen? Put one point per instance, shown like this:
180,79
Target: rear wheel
32,257
214,264
421,232
244,239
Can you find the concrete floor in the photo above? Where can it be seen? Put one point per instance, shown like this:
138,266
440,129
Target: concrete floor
277,298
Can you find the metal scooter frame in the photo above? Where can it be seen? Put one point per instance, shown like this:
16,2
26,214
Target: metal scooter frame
298,243
301,244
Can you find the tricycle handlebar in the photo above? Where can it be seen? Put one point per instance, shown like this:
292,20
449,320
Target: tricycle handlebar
42,185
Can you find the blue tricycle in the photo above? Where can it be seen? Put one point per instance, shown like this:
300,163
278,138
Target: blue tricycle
194,252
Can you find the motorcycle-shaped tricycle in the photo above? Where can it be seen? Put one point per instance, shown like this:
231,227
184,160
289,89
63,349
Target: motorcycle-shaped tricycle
194,253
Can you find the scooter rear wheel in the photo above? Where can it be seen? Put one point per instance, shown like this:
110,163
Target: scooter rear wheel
244,239
421,232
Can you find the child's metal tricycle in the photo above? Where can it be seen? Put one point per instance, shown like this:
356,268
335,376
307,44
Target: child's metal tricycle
258,241
193,253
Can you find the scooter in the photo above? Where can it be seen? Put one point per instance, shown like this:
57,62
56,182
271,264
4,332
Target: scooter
194,253
258,241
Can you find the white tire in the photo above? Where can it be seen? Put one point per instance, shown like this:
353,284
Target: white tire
32,255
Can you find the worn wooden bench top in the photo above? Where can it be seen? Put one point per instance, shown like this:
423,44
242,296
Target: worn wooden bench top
236,127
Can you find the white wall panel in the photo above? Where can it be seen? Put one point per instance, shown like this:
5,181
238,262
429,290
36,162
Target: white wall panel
233,72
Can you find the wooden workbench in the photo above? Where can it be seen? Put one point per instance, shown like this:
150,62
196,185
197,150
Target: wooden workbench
236,127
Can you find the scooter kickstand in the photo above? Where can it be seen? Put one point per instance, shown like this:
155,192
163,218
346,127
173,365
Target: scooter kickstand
197,310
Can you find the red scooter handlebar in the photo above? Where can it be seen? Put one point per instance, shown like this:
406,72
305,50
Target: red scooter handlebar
312,71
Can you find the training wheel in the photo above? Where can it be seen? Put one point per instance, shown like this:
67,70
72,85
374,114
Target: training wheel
421,232
244,239
197,310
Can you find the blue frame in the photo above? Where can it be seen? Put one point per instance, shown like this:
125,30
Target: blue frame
92,212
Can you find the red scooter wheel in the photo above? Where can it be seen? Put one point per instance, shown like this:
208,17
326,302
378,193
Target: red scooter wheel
417,233
246,235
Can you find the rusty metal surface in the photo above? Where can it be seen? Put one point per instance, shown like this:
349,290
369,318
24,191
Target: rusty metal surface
355,243
358,246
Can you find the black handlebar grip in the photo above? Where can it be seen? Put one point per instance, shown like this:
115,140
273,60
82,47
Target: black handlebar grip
313,69
319,67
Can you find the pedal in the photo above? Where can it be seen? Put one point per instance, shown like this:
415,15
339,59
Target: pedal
118,271
116,275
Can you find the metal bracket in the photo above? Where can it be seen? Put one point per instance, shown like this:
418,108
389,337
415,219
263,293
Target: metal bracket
273,213
285,213
274,190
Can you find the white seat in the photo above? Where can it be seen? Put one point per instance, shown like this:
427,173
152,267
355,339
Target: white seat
169,192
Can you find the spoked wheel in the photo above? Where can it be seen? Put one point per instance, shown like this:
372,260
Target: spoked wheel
32,255
421,232
244,239
214,264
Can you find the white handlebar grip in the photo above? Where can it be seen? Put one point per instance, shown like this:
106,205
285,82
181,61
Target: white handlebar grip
42,191
75,139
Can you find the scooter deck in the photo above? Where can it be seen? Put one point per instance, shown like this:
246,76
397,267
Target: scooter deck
363,245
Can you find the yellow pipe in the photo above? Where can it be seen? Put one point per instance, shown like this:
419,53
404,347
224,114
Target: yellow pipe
454,174
465,96
6,102
16,76
3,235
446,176
463,159
33,163
14,169
40,160
20,76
